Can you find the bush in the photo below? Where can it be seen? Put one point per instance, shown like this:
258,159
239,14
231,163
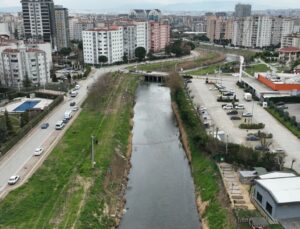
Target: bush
253,126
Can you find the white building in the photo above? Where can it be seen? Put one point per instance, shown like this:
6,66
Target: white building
143,35
78,25
103,41
19,61
62,27
130,41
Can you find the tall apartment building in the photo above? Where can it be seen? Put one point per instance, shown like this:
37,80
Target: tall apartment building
143,34
105,41
19,61
159,35
219,28
242,10
291,40
130,41
39,20
260,31
141,14
78,25
62,27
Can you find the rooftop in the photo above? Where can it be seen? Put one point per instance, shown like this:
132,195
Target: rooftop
283,190
276,175
289,49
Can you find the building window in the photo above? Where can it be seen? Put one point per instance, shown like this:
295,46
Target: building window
259,197
269,208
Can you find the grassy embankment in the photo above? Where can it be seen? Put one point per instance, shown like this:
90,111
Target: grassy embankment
66,192
206,58
257,68
207,180
207,70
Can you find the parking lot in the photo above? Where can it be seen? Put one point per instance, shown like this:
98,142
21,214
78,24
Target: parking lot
294,110
206,95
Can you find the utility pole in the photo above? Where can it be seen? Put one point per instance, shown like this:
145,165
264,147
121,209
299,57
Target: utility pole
92,152
226,144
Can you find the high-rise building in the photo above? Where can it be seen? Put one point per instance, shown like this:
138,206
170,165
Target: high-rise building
19,60
219,28
77,25
39,20
159,35
242,10
143,34
130,41
103,42
62,27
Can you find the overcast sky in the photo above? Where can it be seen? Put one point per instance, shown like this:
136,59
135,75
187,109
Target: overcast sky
110,4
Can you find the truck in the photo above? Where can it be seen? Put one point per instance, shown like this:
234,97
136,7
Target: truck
248,96
68,114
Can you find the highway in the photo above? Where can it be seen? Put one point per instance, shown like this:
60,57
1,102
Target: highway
20,160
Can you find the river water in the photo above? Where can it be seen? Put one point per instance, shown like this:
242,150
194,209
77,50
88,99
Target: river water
160,193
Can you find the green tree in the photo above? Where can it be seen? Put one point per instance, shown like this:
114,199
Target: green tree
24,119
140,53
191,44
26,81
3,129
125,57
65,51
102,59
9,126
69,78
54,78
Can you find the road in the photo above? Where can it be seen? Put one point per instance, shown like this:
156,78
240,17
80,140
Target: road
20,160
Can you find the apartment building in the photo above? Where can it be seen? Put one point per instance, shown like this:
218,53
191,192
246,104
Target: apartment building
103,41
159,35
142,34
219,28
39,20
19,60
141,14
62,27
77,25
242,10
130,41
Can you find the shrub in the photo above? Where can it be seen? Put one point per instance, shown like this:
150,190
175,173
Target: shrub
253,126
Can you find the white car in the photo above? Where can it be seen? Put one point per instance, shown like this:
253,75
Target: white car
247,114
13,180
38,151
75,108
77,87
239,107
228,107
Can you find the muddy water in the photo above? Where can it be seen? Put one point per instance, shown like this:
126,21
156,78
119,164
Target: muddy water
160,192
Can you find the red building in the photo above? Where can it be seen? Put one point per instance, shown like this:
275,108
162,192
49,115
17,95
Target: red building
159,35
279,84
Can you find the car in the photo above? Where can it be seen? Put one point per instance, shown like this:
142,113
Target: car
239,107
235,118
65,120
228,107
13,180
45,125
261,148
38,151
75,108
252,138
72,104
278,150
77,87
247,114
233,112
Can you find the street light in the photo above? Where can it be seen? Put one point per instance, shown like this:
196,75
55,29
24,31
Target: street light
92,152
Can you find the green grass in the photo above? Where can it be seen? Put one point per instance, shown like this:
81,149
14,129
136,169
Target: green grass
287,124
257,68
205,71
55,193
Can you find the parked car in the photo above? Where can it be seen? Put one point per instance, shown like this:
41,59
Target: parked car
261,148
233,112
235,118
59,125
239,107
247,114
228,107
77,87
13,180
38,151
278,150
75,108
72,104
45,125
252,138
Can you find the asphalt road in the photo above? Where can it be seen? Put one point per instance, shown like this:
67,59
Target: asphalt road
20,160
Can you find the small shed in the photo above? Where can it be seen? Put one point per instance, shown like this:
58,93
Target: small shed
258,223
247,177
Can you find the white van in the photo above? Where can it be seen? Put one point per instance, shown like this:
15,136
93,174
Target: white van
68,114
74,94
59,125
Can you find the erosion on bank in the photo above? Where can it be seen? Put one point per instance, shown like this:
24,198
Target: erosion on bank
211,198
66,192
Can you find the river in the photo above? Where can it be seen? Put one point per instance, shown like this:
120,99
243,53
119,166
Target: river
160,192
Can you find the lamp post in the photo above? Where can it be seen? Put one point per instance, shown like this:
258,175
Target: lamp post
92,152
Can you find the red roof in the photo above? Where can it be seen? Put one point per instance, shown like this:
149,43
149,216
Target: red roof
11,50
289,49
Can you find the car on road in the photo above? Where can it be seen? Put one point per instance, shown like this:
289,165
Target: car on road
235,118
77,87
75,108
38,151
278,150
13,180
261,148
233,112
65,120
72,104
247,114
45,125
252,138
59,125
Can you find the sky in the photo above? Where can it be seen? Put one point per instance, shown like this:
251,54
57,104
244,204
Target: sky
173,4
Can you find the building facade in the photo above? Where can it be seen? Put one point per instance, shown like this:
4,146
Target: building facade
62,27
159,36
78,25
242,10
39,20
19,61
130,41
143,34
107,42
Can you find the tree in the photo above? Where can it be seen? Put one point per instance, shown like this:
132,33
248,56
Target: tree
69,78
24,119
150,55
54,78
191,44
125,57
65,51
26,81
168,50
3,129
140,53
102,59
9,127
